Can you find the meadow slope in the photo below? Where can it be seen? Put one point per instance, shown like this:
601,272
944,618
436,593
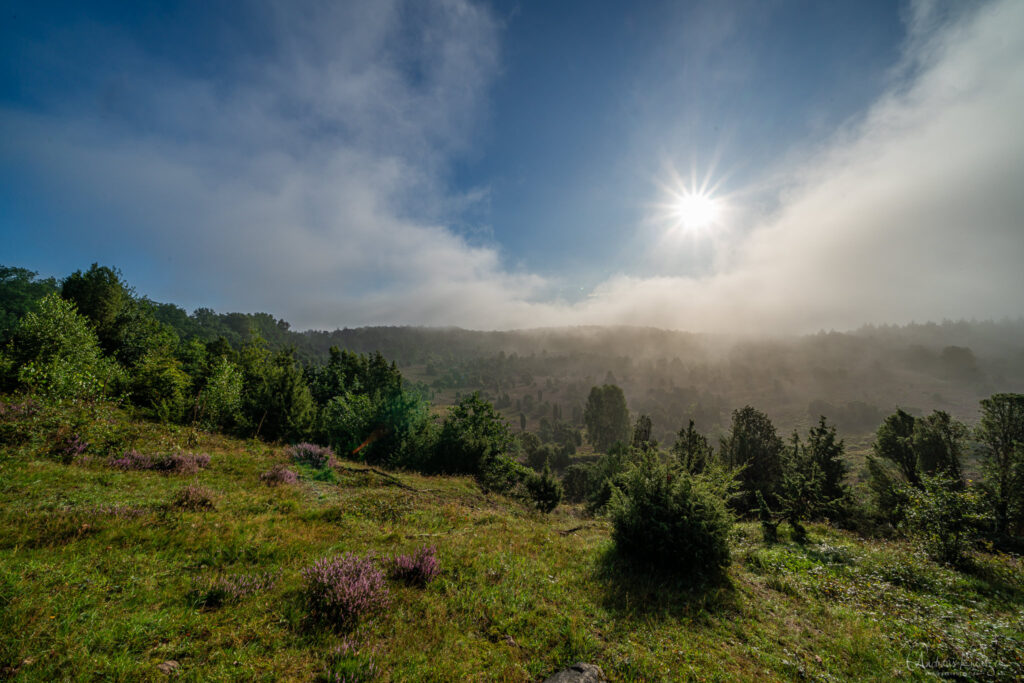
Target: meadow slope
102,577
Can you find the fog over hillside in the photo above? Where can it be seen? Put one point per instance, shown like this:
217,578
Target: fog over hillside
855,378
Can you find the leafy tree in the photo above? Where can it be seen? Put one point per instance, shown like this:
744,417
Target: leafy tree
692,450
348,423
606,417
355,373
1001,433
139,334
605,473
159,383
889,490
101,296
20,289
404,432
938,444
220,348
754,445
220,401
277,404
895,442
943,516
54,352
805,491
562,434
528,444
642,433
917,447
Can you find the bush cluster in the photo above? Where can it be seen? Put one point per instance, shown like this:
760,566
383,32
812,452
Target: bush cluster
278,474
418,568
194,497
177,463
317,457
341,590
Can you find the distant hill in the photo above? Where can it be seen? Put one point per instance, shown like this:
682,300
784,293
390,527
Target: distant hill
855,378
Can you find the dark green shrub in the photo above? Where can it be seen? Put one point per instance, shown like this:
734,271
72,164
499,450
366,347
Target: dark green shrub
471,434
545,490
754,445
576,482
502,474
276,403
669,520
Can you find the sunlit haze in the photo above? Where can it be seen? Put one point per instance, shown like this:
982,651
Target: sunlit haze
498,165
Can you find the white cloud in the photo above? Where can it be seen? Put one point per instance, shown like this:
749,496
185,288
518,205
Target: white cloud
308,185
916,212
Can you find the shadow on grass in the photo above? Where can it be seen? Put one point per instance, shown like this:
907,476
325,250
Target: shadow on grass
636,591
994,578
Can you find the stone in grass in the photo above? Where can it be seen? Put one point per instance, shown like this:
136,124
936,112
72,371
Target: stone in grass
579,673
168,667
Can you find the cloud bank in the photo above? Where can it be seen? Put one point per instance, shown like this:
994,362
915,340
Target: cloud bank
310,183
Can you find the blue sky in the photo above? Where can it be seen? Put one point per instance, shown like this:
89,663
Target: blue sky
516,164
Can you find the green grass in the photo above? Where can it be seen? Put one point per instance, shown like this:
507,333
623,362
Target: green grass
101,578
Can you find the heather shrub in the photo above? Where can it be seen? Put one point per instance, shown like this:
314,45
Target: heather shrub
345,664
18,411
278,474
178,463
193,497
341,590
70,447
312,455
224,589
17,423
132,460
187,463
669,520
418,569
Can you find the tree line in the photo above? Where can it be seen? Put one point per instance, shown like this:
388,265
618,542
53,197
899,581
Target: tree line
89,337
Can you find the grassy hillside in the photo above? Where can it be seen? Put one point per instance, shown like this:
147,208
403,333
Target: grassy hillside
103,577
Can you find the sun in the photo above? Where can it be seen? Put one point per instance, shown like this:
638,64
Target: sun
696,210
693,208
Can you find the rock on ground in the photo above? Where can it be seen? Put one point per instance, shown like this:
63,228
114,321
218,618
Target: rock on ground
579,673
